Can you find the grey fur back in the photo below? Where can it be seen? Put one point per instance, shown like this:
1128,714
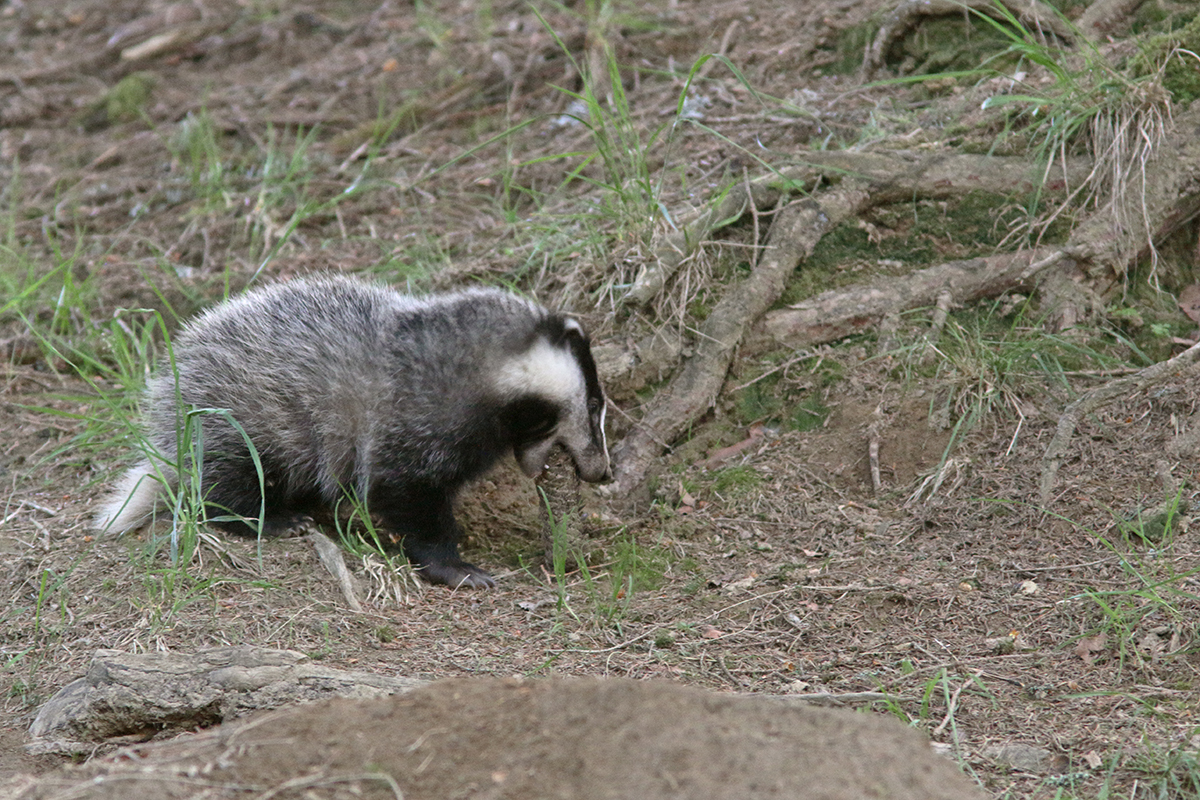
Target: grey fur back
310,395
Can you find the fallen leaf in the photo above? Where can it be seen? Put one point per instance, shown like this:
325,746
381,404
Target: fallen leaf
1093,759
1189,301
709,632
1090,646
1023,757
1010,643
733,587
1029,587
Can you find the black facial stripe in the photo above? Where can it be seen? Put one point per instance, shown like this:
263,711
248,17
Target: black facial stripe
531,419
572,336
564,332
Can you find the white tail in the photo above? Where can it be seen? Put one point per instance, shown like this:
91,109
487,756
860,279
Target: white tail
132,502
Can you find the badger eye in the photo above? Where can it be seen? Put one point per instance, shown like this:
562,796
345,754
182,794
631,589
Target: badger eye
541,430
594,406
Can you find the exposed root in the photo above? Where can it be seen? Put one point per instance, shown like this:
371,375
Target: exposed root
891,175
1032,13
1171,198
796,231
887,177
1151,376
1095,252
843,312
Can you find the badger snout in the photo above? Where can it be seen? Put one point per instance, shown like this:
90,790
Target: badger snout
594,468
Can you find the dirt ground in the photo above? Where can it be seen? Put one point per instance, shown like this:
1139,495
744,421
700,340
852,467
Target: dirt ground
1047,651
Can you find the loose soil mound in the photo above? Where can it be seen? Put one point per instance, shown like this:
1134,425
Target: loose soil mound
575,738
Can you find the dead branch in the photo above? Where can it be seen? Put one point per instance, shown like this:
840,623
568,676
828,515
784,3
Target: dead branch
330,556
873,435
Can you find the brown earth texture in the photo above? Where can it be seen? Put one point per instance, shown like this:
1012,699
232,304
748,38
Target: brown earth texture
856,523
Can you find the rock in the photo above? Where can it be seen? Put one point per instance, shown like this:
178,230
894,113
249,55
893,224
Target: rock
572,739
126,697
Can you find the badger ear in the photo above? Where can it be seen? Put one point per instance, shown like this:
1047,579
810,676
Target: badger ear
563,331
574,333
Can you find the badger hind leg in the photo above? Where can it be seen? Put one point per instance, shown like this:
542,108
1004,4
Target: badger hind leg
423,524
238,502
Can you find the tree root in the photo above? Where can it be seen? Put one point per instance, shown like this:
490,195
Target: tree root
795,232
127,697
866,179
1171,199
840,313
1149,377
890,176
1031,13
1094,253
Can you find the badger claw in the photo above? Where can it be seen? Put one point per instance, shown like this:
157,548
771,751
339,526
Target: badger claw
457,574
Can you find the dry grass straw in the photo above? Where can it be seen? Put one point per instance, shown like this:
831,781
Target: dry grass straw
1123,138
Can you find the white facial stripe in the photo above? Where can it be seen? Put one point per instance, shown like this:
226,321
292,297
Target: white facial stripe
545,370
603,434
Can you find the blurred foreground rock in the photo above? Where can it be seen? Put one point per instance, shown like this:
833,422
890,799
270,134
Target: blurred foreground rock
573,738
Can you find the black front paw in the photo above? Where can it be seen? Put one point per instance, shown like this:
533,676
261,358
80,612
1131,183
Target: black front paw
456,574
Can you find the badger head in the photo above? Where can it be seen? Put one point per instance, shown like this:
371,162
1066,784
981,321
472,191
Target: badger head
557,399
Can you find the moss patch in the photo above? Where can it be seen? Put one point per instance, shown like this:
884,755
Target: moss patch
1181,71
896,239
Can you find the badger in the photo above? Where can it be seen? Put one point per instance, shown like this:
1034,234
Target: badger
346,388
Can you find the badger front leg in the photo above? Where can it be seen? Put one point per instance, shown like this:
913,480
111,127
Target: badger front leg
423,524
